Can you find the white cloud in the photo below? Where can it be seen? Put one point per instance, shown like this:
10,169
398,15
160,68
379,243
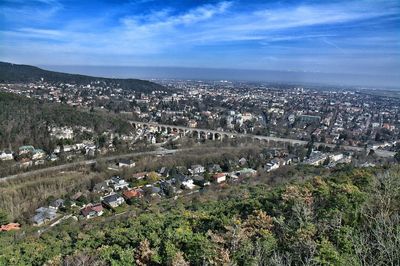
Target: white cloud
165,32
30,11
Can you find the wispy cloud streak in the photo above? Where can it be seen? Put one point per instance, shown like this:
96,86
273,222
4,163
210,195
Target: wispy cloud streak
164,34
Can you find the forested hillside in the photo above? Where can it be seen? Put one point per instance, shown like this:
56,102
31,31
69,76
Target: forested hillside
13,73
25,121
349,217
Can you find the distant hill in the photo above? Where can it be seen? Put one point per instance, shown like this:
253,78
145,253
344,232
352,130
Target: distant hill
13,73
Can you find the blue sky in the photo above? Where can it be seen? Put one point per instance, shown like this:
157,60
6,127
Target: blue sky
360,37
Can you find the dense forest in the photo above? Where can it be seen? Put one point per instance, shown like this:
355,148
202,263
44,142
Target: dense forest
13,73
347,217
26,121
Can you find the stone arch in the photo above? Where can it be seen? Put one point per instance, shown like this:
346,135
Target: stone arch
195,133
272,143
203,134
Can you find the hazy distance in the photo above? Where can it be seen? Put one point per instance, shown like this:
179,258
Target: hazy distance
231,74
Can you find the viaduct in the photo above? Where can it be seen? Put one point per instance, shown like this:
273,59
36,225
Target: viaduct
215,134
220,135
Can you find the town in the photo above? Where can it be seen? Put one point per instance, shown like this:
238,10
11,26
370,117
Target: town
214,132
328,115
307,126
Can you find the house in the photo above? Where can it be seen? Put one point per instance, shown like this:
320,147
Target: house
197,169
247,116
55,205
102,187
219,178
247,172
192,123
336,157
200,181
38,154
233,175
179,178
215,168
25,149
6,156
164,172
10,227
132,194
188,184
140,175
316,158
92,211
113,200
62,132
272,165
90,150
77,195
68,148
242,161
52,157
44,215
126,163
117,183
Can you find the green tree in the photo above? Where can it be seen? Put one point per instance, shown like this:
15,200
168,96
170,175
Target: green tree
4,219
397,156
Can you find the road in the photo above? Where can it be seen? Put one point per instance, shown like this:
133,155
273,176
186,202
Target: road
87,162
381,153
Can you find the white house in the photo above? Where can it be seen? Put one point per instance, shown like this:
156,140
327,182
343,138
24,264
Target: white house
38,154
197,169
118,183
6,155
219,177
188,184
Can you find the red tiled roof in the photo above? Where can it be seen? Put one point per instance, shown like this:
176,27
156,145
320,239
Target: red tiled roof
96,207
10,226
219,175
128,194
139,174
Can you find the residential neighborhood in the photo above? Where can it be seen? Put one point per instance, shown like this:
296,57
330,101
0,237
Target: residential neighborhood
117,193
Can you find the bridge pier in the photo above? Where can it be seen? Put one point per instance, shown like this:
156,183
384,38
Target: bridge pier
215,135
